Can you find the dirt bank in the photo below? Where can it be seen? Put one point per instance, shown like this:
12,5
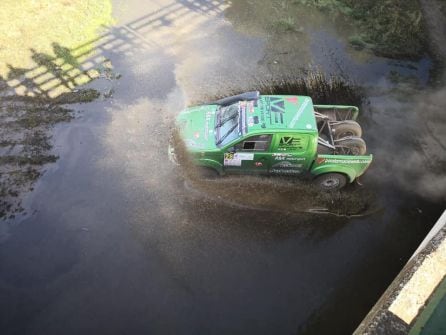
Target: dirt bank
435,18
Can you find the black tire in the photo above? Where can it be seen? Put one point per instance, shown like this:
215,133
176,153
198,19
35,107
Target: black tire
330,181
207,172
348,128
353,146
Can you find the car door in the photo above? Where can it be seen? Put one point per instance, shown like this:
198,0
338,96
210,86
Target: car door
251,155
289,154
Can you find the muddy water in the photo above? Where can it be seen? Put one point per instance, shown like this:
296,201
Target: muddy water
119,242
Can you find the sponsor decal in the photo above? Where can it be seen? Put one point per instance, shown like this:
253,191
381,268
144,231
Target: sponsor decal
244,116
321,160
287,157
299,113
286,164
244,156
271,109
262,114
197,135
235,159
258,164
251,107
250,121
285,171
290,143
346,161
292,100
282,155
276,107
208,117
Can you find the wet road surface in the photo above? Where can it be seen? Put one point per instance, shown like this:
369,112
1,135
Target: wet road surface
114,243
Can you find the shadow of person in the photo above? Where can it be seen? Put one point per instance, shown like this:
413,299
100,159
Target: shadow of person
65,54
29,85
47,62
15,72
3,84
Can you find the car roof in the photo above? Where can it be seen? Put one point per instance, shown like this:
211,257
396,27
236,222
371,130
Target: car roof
280,113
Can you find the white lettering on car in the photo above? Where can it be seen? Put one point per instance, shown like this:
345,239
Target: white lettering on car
299,113
346,161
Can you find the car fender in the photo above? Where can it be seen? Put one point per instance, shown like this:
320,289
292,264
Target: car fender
333,168
210,163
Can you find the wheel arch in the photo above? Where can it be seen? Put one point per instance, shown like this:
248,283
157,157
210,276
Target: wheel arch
348,172
210,163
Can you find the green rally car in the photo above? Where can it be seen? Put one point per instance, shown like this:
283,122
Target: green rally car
275,135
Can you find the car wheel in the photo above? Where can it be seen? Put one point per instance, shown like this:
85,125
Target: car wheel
354,146
331,181
347,128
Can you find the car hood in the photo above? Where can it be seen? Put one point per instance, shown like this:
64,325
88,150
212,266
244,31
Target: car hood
196,125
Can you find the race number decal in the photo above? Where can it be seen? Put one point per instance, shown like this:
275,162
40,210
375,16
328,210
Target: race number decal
235,159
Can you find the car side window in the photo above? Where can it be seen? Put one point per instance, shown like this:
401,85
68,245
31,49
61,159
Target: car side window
254,143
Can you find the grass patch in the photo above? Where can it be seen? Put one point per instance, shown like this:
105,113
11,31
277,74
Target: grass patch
390,28
41,117
30,160
45,25
286,24
80,96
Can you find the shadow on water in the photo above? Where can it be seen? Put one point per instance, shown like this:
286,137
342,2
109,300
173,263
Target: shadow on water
35,99
25,141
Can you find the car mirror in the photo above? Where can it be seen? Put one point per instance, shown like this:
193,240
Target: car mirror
231,149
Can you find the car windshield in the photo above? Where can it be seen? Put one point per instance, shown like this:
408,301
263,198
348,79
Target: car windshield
227,124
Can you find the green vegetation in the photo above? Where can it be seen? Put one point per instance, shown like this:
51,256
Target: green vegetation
326,5
287,24
32,27
391,28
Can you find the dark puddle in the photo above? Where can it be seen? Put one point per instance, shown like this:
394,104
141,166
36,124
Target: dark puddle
26,121
281,195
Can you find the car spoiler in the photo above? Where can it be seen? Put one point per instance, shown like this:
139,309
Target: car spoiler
248,96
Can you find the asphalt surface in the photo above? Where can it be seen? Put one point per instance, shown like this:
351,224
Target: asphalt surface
114,243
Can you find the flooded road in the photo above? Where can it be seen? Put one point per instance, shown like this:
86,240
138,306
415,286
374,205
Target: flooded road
116,242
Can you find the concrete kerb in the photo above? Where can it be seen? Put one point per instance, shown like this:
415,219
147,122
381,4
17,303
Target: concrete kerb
402,303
